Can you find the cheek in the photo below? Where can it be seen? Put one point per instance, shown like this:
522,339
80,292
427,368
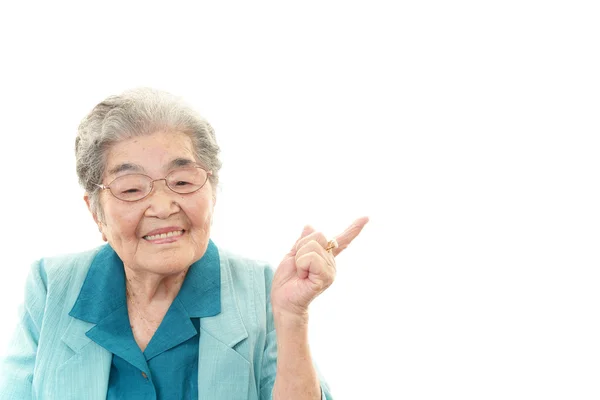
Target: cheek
123,222
201,215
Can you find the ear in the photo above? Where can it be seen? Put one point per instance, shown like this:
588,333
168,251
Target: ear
86,198
212,211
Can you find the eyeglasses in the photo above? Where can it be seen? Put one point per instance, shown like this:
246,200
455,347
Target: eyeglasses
134,187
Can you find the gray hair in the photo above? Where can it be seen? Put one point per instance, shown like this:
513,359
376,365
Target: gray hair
138,112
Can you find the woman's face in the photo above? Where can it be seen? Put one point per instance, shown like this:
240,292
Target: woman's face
127,225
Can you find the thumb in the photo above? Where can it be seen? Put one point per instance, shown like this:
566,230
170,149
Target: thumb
305,232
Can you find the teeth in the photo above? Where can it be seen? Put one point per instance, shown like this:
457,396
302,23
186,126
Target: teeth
164,235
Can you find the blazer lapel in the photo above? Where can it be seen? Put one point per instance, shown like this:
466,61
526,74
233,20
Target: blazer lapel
86,373
223,373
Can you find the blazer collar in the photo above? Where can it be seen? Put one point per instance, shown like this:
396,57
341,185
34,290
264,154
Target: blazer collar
103,291
227,326
201,290
218,358
208,292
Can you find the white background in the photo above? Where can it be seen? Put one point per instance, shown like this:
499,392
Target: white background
466,130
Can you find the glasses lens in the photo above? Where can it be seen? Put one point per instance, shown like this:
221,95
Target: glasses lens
187,180
131,187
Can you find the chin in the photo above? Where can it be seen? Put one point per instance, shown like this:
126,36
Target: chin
167,263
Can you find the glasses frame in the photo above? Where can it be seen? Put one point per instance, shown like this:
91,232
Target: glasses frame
104,187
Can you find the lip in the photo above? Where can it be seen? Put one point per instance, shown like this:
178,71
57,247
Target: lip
171,239
164,230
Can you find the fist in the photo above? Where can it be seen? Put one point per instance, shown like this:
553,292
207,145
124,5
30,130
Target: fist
308,269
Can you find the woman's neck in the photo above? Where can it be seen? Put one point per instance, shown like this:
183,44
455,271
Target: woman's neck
147,288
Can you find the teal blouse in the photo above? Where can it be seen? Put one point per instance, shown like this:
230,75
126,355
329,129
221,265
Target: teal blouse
168,368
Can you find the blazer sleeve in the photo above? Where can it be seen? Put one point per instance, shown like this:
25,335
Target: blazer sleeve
17,367
269,365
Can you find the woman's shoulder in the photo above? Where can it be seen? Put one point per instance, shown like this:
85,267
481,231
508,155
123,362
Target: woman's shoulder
55,272
243,267
239,261
69,262
53,280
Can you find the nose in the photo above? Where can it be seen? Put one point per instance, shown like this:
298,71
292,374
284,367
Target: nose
162,200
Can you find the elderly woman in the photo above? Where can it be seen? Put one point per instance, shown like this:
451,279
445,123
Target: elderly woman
161,312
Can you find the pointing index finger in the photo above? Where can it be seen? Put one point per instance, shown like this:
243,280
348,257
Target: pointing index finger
346,237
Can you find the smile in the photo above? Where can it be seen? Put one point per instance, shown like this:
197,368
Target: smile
164,235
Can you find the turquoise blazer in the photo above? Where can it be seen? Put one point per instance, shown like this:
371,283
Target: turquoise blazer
52,358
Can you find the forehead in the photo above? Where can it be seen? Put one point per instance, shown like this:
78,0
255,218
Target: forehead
154,153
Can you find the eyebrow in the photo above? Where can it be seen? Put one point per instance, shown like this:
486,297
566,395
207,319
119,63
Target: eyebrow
181,162
125,167
178,162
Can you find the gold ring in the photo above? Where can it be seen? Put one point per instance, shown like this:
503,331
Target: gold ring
332,244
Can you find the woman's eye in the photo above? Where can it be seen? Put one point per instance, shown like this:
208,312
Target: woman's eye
181,183
130,191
